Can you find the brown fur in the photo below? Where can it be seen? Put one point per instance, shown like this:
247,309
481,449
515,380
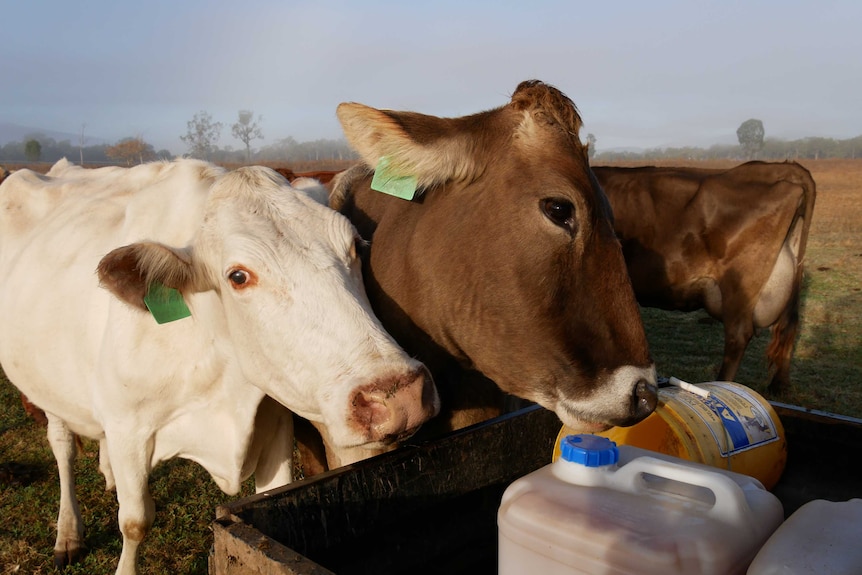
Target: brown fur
33,411
473,278
681,226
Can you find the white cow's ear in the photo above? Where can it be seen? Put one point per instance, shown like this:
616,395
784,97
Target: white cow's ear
129,271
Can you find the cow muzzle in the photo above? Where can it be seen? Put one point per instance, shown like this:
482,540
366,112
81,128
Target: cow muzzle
392,409
628,395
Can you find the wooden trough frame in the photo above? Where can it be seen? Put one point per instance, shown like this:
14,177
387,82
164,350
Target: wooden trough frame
431,508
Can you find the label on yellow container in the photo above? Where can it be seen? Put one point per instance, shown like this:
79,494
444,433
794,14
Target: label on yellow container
735,418
733,428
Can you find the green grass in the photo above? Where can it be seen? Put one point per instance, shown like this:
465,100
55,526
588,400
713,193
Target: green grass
826,373
185,501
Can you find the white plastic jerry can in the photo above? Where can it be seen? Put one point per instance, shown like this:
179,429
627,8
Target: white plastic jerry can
820,538
603,509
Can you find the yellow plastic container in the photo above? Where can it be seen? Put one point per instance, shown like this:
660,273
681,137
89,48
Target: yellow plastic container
734,428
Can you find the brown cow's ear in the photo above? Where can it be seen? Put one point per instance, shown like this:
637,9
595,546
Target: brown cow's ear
129,271
432,149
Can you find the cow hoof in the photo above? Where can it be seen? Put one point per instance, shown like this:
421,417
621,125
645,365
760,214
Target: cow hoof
778,389
65,557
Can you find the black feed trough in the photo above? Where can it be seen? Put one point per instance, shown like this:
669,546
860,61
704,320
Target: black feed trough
431,508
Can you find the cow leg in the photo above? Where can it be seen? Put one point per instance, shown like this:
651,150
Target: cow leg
780,381
736,337
137,509
105,465
70,529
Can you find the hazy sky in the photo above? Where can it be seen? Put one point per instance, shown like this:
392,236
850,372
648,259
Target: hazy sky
642,73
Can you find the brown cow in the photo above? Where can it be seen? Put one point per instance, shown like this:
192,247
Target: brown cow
504,269
729,241
287,173
322,176
33,411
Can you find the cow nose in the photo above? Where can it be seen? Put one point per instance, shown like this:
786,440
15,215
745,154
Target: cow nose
644,400
393,409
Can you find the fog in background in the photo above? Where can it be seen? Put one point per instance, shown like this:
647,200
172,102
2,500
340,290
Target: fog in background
643,74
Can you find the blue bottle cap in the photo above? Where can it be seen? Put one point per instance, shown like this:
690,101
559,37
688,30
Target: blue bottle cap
589,450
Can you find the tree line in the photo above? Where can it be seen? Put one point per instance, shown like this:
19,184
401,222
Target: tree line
203,134
812,148
753,145
202,137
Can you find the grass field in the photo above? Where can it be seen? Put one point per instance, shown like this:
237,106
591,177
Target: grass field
826,374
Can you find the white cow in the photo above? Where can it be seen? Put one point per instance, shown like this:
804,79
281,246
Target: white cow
278,312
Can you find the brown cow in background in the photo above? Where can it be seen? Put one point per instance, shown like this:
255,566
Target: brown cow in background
729,241
322,176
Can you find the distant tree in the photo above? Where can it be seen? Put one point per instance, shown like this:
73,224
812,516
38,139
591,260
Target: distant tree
750,134
202,135
291,150
33,150
246,130
81,141
131,150
591,145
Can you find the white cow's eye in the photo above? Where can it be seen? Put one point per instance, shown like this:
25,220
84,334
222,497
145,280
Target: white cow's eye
238,277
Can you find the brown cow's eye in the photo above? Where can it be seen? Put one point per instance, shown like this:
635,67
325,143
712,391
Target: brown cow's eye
561,212
360,248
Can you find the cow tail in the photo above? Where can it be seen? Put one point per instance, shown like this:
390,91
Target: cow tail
784,331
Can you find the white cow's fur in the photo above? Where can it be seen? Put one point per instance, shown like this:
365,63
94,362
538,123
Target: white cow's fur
299,331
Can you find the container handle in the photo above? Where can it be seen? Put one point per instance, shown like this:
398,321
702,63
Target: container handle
731,505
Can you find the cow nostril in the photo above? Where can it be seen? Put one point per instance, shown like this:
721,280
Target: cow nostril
370,409
645,398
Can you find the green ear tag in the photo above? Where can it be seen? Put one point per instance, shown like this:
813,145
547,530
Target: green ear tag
166,304
386,181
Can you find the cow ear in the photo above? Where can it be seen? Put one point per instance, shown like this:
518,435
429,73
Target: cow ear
434,150
129,271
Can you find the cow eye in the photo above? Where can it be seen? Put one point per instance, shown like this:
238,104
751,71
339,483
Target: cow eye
238,277
560,211
359,248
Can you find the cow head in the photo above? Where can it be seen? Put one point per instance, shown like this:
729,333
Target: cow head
273,276
506,259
